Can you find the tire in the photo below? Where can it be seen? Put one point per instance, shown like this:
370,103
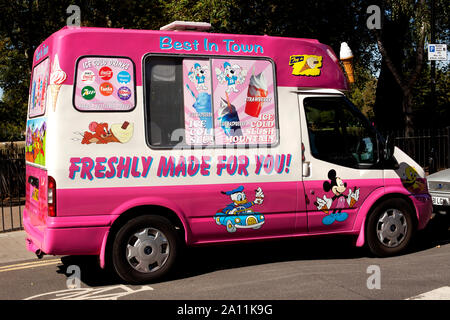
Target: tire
390,227
144,249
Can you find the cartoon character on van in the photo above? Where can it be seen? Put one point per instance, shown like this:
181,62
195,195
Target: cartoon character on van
231,75
338,187
100,134
197,75
239,214
410,182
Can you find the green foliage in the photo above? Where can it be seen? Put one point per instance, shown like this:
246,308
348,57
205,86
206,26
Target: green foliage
25,24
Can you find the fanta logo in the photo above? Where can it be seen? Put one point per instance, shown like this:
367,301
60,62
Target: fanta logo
88,93
106,89
306,65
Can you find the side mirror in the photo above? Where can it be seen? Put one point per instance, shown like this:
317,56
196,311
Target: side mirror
389,147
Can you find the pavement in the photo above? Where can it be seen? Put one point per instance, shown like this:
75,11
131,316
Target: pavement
13,248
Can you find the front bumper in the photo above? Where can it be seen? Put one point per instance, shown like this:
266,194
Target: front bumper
424,209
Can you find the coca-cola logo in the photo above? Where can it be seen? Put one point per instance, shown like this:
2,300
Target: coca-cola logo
88,77
105,73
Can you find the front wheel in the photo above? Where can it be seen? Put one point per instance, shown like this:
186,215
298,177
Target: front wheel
144,249
390,227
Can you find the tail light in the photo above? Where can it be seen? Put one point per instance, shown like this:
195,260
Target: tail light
51,197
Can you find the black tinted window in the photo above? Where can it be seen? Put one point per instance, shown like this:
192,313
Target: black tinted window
339,134
164,99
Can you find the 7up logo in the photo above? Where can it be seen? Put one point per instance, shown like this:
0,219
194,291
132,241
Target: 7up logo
88,93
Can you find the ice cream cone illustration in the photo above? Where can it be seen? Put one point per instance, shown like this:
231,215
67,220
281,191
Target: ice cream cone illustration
352,197
57,77
310,63
323,204
346,57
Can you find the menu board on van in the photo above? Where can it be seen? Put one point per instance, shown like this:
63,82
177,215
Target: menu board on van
104,84
229,102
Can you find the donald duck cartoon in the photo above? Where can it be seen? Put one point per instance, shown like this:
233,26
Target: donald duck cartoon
240,203
238,214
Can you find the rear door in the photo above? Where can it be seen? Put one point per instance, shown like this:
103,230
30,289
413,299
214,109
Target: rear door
341,161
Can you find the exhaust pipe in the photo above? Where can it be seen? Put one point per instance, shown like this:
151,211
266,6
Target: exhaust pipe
39,253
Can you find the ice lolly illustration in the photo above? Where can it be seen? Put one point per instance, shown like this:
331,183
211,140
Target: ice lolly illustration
346,57
229,118
257,91
202,105
57,77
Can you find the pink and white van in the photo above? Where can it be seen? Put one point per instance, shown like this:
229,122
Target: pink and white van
138,141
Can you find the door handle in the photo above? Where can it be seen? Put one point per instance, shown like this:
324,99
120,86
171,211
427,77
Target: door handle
306,169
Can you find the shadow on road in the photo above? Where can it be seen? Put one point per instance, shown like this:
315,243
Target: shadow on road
202,260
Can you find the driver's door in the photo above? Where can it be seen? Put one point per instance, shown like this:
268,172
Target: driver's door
341,161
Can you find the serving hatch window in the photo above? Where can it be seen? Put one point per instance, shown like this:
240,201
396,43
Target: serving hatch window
197,101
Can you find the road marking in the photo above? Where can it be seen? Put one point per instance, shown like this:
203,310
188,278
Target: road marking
28,265
437,294
103,293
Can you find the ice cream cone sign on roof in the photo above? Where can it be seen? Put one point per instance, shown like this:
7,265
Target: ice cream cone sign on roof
346,57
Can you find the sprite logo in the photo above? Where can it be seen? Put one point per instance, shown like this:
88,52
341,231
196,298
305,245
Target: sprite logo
88,93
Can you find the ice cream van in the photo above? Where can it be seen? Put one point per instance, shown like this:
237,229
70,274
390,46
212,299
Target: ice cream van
140,142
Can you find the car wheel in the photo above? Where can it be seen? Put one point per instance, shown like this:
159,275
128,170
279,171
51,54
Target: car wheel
390,227
144,249
230,226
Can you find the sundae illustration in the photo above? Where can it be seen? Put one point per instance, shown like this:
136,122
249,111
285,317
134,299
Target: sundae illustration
231,75
341,201
198,76
256,95
229,118
239,213
57,77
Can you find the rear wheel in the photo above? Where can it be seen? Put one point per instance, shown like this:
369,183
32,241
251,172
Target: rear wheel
390,227
144,249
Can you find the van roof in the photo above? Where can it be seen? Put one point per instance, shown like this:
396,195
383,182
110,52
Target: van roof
289,54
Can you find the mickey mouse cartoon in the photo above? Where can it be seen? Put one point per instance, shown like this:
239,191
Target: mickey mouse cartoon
338,187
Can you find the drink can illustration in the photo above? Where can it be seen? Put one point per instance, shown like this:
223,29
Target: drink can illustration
256,94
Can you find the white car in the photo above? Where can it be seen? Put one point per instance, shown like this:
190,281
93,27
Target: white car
439,188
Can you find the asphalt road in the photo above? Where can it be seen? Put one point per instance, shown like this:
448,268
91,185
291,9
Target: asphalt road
305,269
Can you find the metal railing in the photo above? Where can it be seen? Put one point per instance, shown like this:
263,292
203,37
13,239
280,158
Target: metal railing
12,187
419,146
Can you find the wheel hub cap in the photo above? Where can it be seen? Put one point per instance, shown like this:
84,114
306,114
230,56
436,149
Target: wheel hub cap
147,250
392,228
